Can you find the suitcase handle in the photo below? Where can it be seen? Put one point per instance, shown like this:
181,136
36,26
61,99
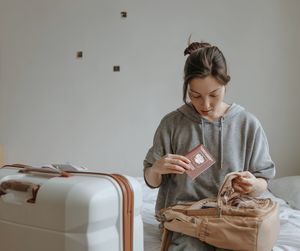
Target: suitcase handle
45,170
20,186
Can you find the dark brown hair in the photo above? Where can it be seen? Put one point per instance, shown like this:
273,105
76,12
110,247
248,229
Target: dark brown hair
204,60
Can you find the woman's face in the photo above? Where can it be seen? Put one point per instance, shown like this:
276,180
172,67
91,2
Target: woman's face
207,96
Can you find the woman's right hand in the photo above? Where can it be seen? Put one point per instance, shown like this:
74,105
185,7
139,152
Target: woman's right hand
172,163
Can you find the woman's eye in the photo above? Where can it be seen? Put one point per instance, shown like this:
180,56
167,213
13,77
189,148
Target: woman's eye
192,95
213,96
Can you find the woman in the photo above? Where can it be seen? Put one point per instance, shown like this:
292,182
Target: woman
232,135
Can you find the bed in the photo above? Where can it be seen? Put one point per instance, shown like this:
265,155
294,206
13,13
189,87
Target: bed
285,191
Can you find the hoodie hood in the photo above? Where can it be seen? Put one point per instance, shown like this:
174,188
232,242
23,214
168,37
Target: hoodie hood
190,112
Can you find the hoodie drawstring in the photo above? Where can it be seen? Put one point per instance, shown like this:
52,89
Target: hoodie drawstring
202,133
221,141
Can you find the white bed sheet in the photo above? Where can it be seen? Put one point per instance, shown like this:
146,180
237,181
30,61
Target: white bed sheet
289,237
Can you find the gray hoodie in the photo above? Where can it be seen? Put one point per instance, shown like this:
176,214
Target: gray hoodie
237,141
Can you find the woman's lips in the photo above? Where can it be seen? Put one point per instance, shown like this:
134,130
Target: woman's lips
205,112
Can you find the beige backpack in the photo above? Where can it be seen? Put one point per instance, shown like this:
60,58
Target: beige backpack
231,220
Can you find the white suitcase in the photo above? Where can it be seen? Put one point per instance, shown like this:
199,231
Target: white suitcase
42,210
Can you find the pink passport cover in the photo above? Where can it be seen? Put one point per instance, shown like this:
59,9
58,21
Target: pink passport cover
200,159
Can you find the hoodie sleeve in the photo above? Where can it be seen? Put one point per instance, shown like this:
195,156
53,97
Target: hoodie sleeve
161,146
261,164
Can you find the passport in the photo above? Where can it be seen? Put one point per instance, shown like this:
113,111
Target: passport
200,159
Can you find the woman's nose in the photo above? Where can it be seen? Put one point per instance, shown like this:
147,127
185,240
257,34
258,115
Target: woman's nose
205,103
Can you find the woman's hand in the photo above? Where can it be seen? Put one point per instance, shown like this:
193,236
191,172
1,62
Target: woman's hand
247,183
172,163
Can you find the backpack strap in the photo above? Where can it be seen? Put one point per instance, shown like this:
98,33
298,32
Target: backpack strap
226,191
166,239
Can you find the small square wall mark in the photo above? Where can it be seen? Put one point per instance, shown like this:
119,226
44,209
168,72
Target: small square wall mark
116,68
123,14
79,54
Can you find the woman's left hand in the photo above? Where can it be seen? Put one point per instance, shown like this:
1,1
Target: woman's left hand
245,183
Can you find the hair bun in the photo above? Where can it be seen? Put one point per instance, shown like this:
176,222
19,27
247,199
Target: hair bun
195,46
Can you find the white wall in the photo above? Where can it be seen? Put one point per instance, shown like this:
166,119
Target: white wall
56,108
